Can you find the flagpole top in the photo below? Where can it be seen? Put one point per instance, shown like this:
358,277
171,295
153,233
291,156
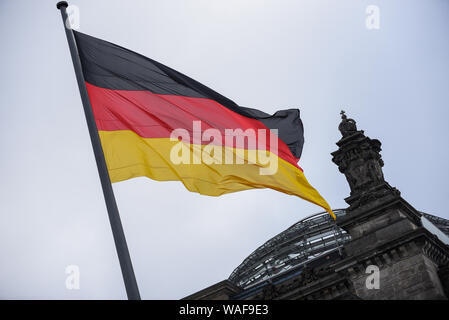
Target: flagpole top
62,4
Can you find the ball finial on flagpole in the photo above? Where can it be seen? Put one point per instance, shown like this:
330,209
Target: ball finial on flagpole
62,4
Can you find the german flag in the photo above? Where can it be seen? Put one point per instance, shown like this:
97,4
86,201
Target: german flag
156,122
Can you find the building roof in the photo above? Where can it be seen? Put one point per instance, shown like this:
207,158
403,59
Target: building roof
303,244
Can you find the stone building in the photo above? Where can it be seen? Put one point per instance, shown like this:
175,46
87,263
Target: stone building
380,247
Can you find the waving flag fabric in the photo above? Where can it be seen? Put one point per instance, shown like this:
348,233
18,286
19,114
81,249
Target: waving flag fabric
156,122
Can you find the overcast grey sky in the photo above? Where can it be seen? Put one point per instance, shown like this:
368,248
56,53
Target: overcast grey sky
315,55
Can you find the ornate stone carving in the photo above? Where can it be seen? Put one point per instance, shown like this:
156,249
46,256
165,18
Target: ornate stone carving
347,126
359,159
270,292
308,275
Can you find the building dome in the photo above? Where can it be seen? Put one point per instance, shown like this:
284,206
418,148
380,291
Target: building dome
306,243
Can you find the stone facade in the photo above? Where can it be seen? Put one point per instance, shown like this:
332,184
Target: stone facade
388,240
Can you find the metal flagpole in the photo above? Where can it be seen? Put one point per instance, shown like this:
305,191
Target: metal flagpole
114,218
